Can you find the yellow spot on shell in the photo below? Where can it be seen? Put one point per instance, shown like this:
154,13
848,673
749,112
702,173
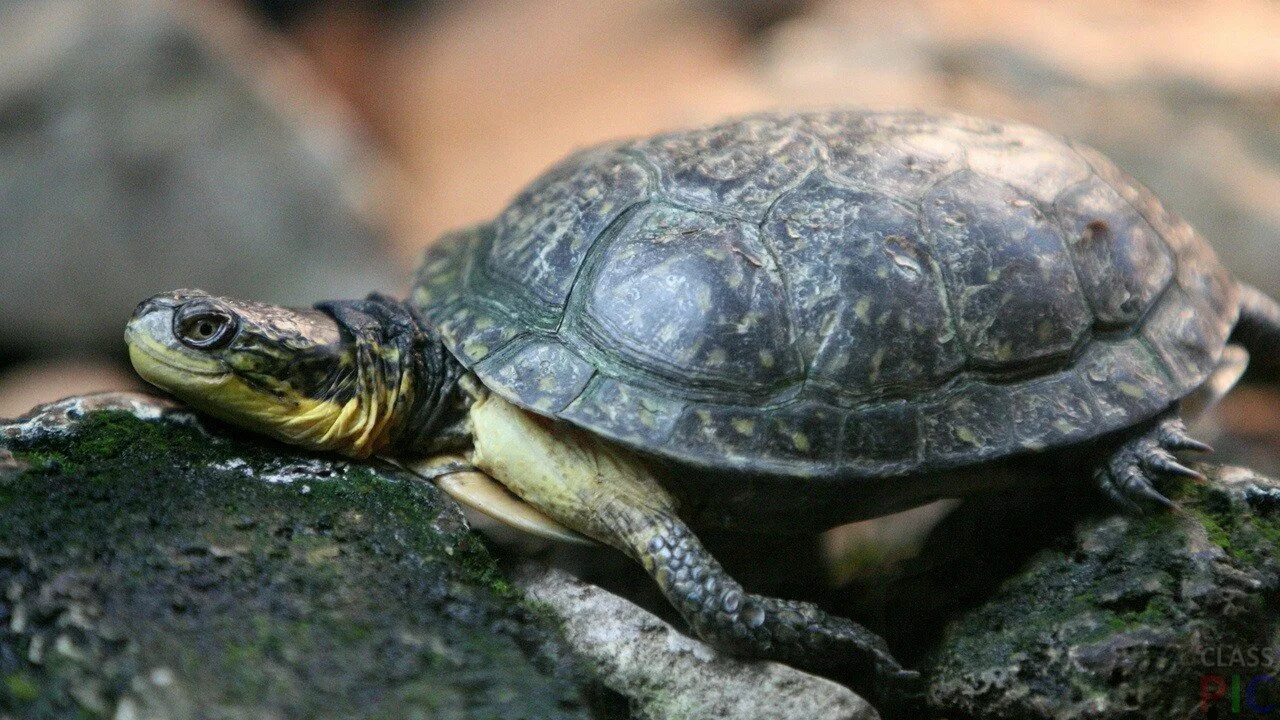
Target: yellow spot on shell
744,425
766,358
704,299
1130,389
877,362
717,357
967,435
862,308
801,441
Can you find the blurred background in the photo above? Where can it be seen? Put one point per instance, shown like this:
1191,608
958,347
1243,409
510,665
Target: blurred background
295,150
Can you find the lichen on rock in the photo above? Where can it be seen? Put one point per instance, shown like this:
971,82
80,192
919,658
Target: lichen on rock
1123,619
152,567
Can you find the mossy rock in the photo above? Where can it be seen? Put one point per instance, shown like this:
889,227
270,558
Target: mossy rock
1123,619
153,567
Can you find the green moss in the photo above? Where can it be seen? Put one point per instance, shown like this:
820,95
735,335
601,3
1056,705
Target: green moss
1269,531
108,435
1247,537
1091,626
21,687
472,555
1159,528
1058,596
1159,612
348,592
1217,534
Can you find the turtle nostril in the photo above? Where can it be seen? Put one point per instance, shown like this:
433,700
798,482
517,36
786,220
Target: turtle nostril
145,307
163,301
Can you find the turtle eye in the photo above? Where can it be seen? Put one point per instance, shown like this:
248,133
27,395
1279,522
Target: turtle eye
204,329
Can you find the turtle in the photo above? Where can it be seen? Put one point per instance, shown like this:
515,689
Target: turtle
778,323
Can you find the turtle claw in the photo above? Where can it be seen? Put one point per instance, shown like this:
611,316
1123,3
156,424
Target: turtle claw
1130,487
1173,435
1112,490
1162,461
1128,477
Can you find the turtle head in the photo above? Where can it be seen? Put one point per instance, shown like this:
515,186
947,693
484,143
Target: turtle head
354,376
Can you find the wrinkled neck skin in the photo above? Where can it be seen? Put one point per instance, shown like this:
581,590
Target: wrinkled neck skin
394,388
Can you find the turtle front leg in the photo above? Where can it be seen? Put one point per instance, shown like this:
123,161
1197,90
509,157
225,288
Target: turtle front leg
1129,475
593,488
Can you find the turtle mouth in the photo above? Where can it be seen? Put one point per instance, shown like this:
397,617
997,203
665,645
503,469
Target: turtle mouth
140,354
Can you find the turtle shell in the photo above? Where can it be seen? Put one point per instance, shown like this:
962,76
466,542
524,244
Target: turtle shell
835,295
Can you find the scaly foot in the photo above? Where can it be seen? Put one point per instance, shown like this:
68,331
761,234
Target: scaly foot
748,625
1128,477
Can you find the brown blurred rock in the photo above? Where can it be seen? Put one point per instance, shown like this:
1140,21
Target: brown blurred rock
869,549
486,96
147,145
1183,95
26,386
1250,421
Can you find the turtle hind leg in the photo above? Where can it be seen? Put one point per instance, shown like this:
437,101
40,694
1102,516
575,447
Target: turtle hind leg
721,612
1258,328
1129,475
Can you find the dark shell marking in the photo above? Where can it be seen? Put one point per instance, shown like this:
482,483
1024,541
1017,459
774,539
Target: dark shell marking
835,295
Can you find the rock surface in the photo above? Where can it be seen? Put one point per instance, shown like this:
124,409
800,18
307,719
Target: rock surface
153,568
670,676
1126,618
